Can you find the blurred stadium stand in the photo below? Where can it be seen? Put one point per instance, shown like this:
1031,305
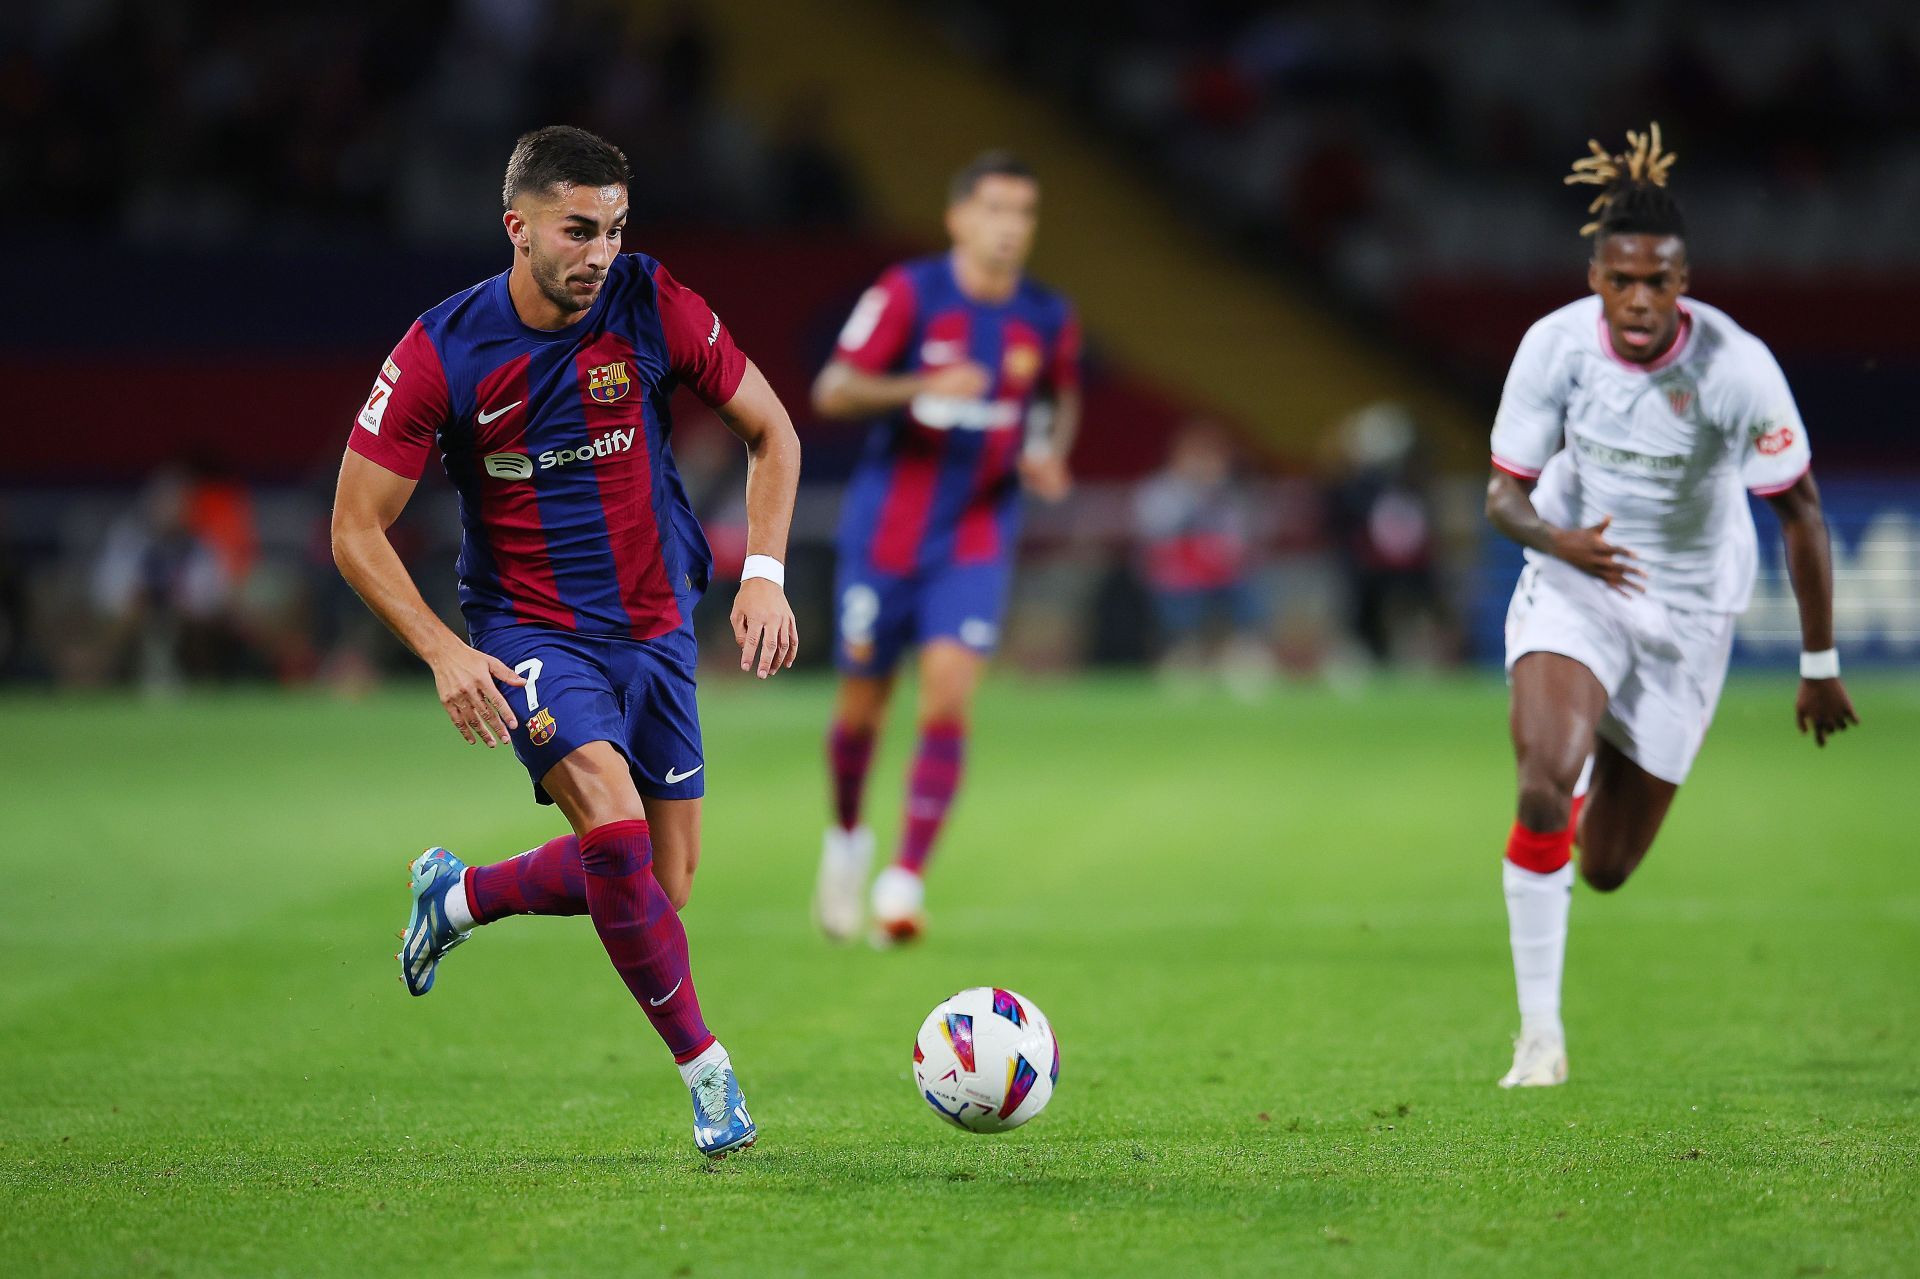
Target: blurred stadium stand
1402,163
1275,217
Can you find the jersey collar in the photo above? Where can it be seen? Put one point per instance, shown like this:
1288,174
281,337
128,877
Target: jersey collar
504,300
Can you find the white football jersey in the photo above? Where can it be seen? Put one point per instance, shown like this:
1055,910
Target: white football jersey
1668,449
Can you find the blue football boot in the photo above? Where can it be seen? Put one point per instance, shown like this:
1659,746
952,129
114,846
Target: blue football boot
430,935
720,1120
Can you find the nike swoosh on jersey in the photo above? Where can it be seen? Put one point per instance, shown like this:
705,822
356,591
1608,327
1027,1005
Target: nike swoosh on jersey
673,776
486,417
669,995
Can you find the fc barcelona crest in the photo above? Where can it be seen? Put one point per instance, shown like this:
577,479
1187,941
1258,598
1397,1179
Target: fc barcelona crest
540,728
1021,362
609,382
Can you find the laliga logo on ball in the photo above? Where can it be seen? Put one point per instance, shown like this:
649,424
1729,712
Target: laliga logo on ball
986,1060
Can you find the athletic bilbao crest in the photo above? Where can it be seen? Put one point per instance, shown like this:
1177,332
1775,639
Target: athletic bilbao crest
609,382
1680,394
540,727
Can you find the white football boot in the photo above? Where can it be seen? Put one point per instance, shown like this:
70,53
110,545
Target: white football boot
1539,1060
844,858
899,896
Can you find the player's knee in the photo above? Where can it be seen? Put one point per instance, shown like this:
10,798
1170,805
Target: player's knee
675,883
673,869
946,703
861,718
1604,877
862,705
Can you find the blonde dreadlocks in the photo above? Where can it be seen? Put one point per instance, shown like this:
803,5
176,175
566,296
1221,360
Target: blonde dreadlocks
1633,195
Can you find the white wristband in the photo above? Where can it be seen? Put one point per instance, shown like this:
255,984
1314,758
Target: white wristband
764,566
1821,665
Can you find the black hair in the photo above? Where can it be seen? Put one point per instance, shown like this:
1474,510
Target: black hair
1633,199
988,164
560,153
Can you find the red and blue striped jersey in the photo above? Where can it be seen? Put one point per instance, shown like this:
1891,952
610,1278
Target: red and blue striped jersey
573,515
938,482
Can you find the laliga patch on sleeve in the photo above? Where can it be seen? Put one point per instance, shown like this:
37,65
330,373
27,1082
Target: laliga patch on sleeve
865,318
376,408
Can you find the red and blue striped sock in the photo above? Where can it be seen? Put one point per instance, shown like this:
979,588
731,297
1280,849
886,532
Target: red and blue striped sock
547,880
849,755
642,933
930,789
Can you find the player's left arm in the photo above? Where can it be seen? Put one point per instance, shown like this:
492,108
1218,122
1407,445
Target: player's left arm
703,353
1043,465
762,618
1822,703
1777,463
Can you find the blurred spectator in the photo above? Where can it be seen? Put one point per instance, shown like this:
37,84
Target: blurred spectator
218,511
1196,527
1381,519
1422,139
312,119
160,591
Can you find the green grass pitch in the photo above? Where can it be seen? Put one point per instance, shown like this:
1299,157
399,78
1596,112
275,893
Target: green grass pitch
1271,939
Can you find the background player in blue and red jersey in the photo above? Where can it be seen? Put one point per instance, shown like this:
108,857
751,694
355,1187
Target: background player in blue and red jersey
546,391
958,359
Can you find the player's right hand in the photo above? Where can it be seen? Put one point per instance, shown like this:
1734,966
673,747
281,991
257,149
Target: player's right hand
764,628
966,381
1824,707
1588,550
466,679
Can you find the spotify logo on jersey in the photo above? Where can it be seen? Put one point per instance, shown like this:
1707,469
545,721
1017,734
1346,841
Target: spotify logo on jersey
518,466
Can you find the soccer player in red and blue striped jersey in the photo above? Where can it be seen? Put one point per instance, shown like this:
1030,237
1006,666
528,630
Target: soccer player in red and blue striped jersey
545,391
969,372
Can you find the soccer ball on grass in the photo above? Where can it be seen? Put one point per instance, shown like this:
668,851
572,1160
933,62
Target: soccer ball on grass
986,1060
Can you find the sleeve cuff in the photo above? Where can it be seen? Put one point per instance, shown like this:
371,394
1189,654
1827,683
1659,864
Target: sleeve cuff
1516,470
732,374
406,466
1775,490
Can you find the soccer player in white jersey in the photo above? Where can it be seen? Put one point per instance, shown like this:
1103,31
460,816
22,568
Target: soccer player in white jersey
1633,425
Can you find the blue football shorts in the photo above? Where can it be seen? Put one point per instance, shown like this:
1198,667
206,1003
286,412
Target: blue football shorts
879,615
636,694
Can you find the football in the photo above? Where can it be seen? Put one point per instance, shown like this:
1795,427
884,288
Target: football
986,1059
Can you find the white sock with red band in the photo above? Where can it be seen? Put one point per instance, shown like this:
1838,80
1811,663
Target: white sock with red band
1537,877
1537,909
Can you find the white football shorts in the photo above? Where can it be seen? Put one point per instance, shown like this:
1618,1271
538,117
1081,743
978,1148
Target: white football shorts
1663,668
